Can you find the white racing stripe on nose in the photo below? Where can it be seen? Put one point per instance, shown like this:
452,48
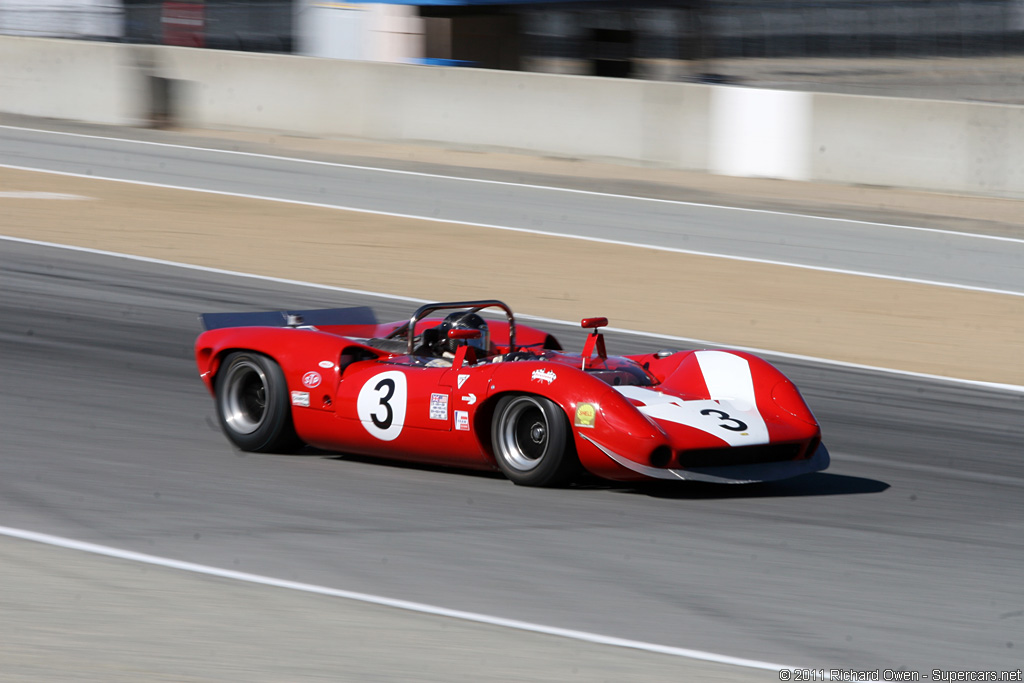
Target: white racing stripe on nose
730,383
727,376
731,412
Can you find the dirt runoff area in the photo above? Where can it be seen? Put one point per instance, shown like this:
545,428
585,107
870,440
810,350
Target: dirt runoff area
875,322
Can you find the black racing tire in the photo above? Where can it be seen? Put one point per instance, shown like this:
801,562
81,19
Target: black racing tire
532,441
253,404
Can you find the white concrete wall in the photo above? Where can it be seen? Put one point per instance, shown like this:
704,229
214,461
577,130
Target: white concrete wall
69,79
931,145
575,117
661,123
927,144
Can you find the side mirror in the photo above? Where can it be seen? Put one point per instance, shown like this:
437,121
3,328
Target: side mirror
595,340
464,351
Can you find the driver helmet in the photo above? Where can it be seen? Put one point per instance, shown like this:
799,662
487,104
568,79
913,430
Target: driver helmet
465,320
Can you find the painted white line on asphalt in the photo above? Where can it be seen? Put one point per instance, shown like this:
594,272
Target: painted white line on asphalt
40,195
542,233
550,188
395,297
406,605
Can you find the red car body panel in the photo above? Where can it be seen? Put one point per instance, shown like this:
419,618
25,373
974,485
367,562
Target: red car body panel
723,416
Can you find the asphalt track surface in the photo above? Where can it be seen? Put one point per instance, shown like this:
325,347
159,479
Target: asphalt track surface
983,262
906,553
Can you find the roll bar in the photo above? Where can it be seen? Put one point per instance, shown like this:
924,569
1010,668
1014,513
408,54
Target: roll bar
475,306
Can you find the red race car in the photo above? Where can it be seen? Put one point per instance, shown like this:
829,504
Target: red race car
464,391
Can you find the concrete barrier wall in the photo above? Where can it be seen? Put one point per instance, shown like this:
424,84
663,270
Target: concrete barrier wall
582,117
944,146
931,145
67,79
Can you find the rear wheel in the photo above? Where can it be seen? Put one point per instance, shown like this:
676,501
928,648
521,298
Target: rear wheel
532,441
252,404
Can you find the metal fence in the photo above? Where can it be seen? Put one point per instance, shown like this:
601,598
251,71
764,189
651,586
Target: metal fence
87,19
862,28
706,29
256,25
253,25
612,33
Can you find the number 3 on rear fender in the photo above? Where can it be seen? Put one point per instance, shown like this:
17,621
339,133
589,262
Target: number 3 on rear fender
381,404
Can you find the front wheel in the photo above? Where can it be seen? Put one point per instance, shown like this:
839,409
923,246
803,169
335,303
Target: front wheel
532,441
252,404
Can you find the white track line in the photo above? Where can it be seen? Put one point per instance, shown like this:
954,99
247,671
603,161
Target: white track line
550,188
529,231
406,605
40,195
395,297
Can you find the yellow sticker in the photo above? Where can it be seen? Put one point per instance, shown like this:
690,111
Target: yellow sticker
585,415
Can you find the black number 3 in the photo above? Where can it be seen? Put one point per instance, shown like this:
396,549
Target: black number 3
386,422
740,426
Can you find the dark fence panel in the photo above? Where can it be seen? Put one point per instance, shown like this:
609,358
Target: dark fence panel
708,29
253,26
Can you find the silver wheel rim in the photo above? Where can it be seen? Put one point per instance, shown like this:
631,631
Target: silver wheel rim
523,434
244,401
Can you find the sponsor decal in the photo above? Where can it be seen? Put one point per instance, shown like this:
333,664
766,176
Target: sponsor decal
311,379
586,413
326,364
547,376
300,398
461,420
439,406
462,380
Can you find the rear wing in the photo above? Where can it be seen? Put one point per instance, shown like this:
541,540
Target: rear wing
356,315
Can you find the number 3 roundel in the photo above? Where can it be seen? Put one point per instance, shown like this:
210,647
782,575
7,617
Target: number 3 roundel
381,404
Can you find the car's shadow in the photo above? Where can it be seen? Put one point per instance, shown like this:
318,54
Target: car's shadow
402,464
814,484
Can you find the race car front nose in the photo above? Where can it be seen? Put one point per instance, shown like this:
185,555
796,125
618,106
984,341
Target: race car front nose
787,396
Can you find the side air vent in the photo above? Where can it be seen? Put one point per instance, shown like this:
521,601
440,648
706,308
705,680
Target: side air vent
661,456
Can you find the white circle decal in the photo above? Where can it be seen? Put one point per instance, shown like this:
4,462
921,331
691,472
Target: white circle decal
311,379
381,404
